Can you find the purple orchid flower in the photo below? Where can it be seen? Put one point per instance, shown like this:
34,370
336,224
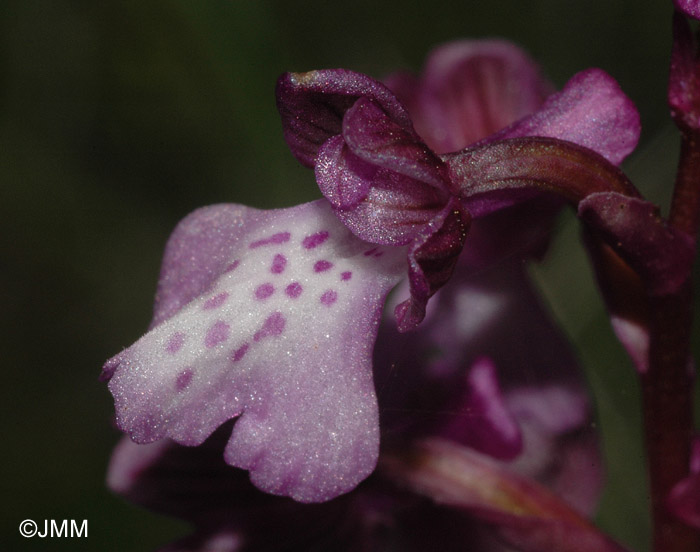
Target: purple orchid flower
272,315
542,403
528,396
389,187
382,180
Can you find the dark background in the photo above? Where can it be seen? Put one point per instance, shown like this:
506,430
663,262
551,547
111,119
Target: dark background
118,118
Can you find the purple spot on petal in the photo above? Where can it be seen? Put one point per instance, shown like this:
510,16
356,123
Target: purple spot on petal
370,252
175,342
275,239
293,290
263,291
184,379
329,297
378,254
216,301
239,353
322,266
231,267
314,240
278,264
274,325
218,333
346,276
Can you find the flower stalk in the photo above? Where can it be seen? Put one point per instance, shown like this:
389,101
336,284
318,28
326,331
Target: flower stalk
685,207
667,393
667,387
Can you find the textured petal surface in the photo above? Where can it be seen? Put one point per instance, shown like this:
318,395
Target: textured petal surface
591,111
432,258
343,178
393,208
372,135
312,106
469,90
282,336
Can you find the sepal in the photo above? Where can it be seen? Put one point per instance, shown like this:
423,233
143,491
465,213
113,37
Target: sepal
432,258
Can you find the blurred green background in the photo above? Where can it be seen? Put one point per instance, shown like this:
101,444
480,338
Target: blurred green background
118,118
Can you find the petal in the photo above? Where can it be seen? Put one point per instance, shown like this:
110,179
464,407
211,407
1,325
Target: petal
494,312
591,111
431,260
282,337
691,8
684,75
312,106
525,514
469,90
373,136
684,500
377,205
343,178
486,425
561,450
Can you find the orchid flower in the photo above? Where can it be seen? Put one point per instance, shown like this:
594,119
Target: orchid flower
389,187
271,317
521,381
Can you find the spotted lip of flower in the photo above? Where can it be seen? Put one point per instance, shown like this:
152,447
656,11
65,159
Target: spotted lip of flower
384,183
231,337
